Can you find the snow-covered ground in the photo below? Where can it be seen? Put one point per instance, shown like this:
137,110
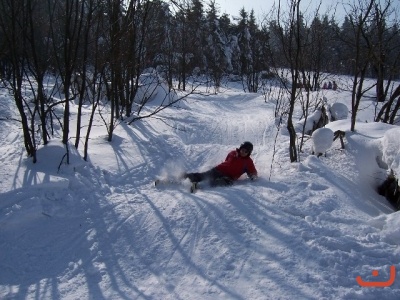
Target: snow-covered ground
101,230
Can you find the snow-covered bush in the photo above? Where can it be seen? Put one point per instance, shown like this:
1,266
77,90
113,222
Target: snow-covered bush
309,122
153,89
338,111
322,139
391,149
316,120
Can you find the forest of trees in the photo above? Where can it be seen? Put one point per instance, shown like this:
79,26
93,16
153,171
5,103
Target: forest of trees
97,49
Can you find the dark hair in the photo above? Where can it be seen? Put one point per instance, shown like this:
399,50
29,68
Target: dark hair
248,146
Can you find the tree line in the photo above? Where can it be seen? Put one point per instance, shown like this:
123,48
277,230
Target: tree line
97,51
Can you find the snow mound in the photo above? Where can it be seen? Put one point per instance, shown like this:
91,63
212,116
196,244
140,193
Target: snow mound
309,122
153,89
51,170
391,149
322,140
339,111
391,232
388,225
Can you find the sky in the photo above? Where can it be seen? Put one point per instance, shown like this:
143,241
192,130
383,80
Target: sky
101,229
263,7
232,7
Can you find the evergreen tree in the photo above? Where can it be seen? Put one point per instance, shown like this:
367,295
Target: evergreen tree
243,35
215,47
164,59
231,43
181,42
196,28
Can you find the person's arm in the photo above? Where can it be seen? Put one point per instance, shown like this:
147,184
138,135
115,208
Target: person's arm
252,171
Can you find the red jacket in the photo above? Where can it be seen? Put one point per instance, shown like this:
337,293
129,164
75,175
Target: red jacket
235,166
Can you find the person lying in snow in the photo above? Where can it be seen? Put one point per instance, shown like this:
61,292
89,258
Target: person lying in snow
235,165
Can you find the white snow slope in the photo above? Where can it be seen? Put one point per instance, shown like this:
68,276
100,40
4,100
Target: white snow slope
101,230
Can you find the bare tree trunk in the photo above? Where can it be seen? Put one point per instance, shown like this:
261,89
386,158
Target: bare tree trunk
361,59
114,56
37,62
386,113
394,114
66,17
29,140
288,32
356,98
14,27
294,54
87,26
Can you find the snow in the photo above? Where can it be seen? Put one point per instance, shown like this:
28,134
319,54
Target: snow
153,89
322,139
308,123
391,149
339,111
101,230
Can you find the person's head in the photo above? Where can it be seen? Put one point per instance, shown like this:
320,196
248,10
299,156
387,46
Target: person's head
246,148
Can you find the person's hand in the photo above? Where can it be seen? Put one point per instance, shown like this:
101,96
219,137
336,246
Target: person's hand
253,177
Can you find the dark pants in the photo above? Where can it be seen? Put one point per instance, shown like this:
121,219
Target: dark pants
213,176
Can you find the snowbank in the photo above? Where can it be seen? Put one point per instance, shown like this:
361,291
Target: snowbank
391,149
153,90
308,123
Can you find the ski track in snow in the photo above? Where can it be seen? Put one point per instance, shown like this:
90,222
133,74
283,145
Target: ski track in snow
108,233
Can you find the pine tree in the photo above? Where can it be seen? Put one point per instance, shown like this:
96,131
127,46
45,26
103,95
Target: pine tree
215,47
243,35
196,24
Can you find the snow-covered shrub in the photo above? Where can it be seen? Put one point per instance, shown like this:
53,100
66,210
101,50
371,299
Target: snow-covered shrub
153,89
316,120
309,122
338,111
322,139
391,149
